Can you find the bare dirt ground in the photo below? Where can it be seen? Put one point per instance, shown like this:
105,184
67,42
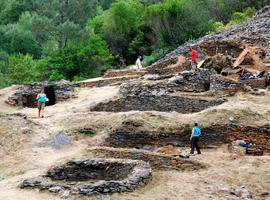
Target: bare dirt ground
22,156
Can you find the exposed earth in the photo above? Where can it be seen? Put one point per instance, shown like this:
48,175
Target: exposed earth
147,115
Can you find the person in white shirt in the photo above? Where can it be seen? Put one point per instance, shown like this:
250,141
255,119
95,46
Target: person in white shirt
138,64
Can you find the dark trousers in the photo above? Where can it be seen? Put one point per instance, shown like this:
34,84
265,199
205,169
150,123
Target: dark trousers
194,143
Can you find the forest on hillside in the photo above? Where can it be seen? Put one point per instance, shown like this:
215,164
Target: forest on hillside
74,40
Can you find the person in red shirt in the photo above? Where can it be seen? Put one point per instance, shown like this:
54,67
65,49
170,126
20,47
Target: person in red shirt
193,54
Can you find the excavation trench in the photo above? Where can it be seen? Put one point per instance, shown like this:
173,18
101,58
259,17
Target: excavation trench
128,136
164,103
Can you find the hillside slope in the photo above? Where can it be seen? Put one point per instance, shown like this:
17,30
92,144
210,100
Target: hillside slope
255,31
148,119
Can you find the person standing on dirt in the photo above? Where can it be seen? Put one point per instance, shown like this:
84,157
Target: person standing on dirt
41,98
193,54
138,63
196,132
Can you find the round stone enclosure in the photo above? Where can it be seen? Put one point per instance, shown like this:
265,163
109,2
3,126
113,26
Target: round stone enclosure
93,176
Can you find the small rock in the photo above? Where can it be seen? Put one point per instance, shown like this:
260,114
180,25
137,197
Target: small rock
235,192
55,189
65,194
265,194
224,189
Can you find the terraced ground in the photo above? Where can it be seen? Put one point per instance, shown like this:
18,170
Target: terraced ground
150,117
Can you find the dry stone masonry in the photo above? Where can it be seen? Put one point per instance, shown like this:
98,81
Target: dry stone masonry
186,81
164,103
25,96
157,160
93,176
134,134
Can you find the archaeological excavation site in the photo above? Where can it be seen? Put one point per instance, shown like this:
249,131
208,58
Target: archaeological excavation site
127,134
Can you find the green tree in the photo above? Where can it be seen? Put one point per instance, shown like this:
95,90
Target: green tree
173,23
120,26
60,21
11,10
88,59
21,69
4,60
16,39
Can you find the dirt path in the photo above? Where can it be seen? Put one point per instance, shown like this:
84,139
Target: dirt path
36,158
224,173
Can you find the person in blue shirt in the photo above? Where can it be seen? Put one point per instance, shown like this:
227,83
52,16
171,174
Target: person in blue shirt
196,132
41,98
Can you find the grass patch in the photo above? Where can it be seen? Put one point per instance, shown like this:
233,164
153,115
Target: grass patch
247,112
12,174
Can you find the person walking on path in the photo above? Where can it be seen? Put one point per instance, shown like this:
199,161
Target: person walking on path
41,98
138,63
196,132
193,54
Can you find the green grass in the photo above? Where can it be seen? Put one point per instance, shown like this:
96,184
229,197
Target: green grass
12,174
247,112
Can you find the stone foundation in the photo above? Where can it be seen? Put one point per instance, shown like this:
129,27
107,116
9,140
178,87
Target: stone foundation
156,67
170,67
126,72
101,82
25,96
219,82
132,134
157,160
187,81
93,176
164,103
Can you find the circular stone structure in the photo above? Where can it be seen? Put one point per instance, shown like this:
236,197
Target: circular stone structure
93,176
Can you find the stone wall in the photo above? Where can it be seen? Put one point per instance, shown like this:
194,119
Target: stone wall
187,81
126,72
155,68
219,82
96,177
191,81
26,95
133,135
90,170
101,82
164,103
157,160
129,136
170,67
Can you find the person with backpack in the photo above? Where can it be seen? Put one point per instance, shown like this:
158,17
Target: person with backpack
41,98
196,132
